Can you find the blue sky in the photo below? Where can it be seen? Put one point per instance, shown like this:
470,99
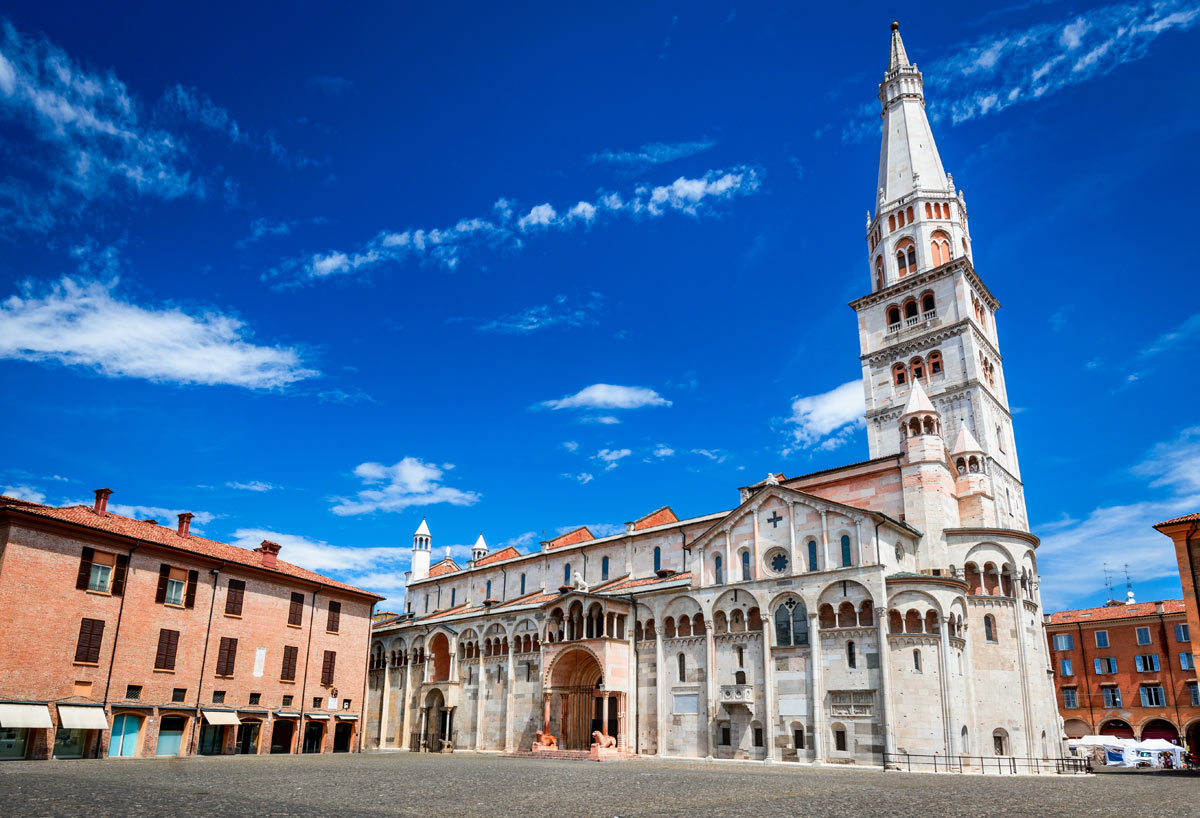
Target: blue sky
316,276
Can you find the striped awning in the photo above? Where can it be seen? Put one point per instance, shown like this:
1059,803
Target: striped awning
318,716
220,717
25,715
347,716
76,717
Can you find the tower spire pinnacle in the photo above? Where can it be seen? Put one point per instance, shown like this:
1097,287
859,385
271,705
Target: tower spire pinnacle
898,58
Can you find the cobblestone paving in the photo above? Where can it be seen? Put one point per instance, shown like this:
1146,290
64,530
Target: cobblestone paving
350,786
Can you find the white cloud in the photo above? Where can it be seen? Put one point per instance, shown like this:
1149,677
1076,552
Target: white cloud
715,455
410,482
582,477
663,451
261,229
603,420
93,138
654,153
570,445
609,396
83,323
837,412
252,485
1008,67
562,313
23,492
447,246
611,457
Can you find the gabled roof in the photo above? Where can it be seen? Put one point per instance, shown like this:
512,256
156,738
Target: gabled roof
660,516
444,566
506,553
423,528
1122,611
647,581
966,443
1186,518
918,401
168,537
578,535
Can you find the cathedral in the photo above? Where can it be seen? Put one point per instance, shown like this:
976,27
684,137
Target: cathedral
885,607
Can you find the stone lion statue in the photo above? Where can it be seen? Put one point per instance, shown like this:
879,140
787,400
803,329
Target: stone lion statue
546,740
602,740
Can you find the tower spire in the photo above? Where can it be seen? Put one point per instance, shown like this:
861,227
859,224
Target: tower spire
898,57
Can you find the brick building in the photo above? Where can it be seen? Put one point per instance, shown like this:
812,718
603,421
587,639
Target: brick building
1185,535
122,637
1126,670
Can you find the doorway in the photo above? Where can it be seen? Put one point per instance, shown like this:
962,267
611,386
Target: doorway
124,740
246,742
212,739
342,734
282,735
170,735
314,736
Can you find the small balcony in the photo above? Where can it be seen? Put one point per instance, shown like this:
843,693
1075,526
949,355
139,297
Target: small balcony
737,694
912,321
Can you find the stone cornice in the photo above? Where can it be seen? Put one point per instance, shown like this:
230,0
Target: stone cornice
985,533
926,339
959,265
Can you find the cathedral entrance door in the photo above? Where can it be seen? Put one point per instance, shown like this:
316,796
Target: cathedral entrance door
575,681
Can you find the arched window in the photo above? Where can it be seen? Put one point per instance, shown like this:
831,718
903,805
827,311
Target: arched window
745,565
791,623
812,555
567,574
739,677
783,626
1000,742
910,308
989,628
845,550
851,658
718,573
893,317
917,661
899,375
928,210
902,263
522,585
604,569
910,213
927,302
935,363
879,272
741,656
892,222
900,218
682,668
657,559
487,595
454,596
917,367
939,248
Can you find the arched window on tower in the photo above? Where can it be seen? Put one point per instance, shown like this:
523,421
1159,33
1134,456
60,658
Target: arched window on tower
928,305
879,272
893,318
917,660
745,565
682,668
911,310
899,375
851,656
900,218
935,363
917,367
939,248
928,210
910,213
891,222
487,595
989,628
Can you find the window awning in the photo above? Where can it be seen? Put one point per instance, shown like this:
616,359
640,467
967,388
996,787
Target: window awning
76,717
220,717
319,716
348,716
25,715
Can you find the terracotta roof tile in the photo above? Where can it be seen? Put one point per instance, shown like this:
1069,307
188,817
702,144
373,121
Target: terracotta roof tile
639,583
168,537
521,600
1110,612
506,553
578,535
445,566
660,516
1187,518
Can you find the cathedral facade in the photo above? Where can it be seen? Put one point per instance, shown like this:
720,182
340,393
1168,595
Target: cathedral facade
888,606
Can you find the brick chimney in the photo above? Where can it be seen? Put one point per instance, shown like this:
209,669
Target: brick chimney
185,523
270,553
101,507
1159,608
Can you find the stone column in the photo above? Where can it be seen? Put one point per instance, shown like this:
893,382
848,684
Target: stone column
604,712
824,540
711,704
632,692
858,542
768,690
508,703
1018,610
755,570
885,681
384,700
793,555
546,698
817,700
729,575
479,688
564,712
406,703
944,670
424,718
660,685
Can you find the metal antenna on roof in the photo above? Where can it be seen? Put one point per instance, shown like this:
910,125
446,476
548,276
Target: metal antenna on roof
1128,585
1108,582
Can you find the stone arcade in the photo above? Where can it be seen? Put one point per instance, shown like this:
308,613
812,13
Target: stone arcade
889,605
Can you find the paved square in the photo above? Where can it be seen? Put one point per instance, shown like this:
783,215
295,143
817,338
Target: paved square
472,785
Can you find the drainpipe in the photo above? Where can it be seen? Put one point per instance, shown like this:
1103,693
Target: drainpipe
212,603
1086,678
116,636
312,618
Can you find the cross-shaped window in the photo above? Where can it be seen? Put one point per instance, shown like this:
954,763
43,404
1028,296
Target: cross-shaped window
774,519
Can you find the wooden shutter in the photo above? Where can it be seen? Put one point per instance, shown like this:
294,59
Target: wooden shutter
226,656
164,574
289,663
190,597
327,667
296,611
119,574
168,645
335,616
85,568
91,634
233,598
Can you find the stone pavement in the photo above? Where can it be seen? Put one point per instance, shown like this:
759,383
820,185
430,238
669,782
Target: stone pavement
436,786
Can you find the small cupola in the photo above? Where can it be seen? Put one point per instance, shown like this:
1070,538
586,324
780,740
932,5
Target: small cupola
967,454
919,418
479,550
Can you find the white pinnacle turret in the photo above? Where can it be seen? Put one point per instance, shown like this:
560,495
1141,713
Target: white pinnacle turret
966,443
908,157
423,528
918,402
422,542
479,550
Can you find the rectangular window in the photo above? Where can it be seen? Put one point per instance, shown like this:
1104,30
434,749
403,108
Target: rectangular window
218,697
91,634
335,617
1152,696
179,694
255,698
168,645
226,656
1147,663
133,692
1064,668
1101,639
798,738
1070,700
290,654
1181,634
726,738
839,740
100,577
345,704
175,589
1143,636
234,596
1187,661
1105,665
1194,690
1112,696
758,737
327,666
1064,641
287,701
296,610
317,702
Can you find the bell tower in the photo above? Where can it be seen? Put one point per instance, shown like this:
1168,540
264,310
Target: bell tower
929,317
